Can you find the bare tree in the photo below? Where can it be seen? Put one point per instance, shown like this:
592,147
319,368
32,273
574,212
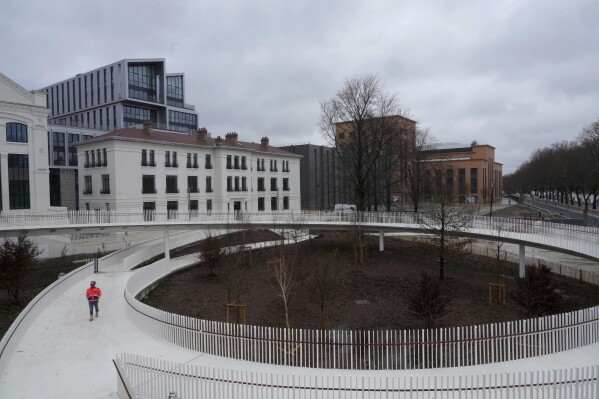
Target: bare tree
282,283
496,246
16,260
363,122
211,252
416,165
446,219
324,288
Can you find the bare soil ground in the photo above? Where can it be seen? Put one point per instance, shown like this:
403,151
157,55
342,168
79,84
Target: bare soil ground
369,296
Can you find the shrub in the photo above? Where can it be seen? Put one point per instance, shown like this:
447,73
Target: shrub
429,300
538,293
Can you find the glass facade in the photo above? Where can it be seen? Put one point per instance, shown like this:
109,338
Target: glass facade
58,149
73,138
16,132
18,181
137,116
174,91
182,122
143,82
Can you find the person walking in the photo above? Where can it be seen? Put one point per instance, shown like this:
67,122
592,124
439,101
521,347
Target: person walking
93,295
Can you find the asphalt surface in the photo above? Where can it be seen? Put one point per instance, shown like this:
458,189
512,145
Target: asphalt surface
572,214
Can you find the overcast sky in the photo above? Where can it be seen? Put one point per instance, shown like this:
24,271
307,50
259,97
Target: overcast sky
517,75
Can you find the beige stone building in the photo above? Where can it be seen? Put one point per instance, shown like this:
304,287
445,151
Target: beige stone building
469,172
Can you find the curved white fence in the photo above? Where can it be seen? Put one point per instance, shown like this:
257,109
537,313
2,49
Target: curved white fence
143,377
371,349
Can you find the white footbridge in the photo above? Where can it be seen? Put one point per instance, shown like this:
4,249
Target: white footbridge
136,351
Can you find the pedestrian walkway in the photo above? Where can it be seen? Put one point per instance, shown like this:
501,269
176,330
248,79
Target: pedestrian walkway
66,356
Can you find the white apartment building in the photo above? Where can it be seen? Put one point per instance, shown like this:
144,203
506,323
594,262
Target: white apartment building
23,148
135,169
122,94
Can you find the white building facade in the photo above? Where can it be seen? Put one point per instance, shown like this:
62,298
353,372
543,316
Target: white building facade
23,148
152,170
122,94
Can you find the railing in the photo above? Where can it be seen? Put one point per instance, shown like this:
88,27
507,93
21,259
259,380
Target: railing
27,317
144,377
371,350
580,239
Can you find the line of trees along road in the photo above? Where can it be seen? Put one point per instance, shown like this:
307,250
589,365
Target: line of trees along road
566,172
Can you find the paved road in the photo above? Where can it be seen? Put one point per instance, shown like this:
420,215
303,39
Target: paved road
567,213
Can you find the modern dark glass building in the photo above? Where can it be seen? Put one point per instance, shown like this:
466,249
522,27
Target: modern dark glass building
123,94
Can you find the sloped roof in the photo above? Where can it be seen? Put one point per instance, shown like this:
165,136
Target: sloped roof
159,136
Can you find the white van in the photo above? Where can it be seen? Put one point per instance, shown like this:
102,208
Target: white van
345,208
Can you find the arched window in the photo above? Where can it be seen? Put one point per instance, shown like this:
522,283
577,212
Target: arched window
16,132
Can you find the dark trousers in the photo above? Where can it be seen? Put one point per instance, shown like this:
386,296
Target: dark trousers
92,305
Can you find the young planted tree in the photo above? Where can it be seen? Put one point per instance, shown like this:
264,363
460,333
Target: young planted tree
16,260
496,247
211,253
364,124
325,283
282,283
446,219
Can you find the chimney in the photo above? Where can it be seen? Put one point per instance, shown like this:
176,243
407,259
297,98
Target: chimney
202,133
148,127
231,137
218,141
264,142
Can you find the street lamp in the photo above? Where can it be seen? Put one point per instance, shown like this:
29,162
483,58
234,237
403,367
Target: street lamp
492,196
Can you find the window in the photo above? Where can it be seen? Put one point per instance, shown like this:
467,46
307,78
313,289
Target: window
209,205
105,184
99,157
152,163
174,91
193,207
192,184
261,184
93,162
58,149
236,162
208,164
73,138
195,161
182,121
285,184
189,159
473,181
260,203
285,166
273,184
171,185
243,163
229,163
88,185
244,186
167,159
148,184
104,157
258,165
136,115
341,136
208,184
144,160
271,166
174,160
171,209
16,132
276,167
273,203
18,181
462,181
449,182
285,202
236,183
86,159
142,81
149,208
229,183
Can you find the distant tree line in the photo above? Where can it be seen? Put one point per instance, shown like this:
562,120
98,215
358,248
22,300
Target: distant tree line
565,172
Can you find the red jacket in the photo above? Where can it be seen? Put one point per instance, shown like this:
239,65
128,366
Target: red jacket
93,293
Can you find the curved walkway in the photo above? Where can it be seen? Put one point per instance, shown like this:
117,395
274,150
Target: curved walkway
64,355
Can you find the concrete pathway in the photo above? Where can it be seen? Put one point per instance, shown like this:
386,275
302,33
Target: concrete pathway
64,355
